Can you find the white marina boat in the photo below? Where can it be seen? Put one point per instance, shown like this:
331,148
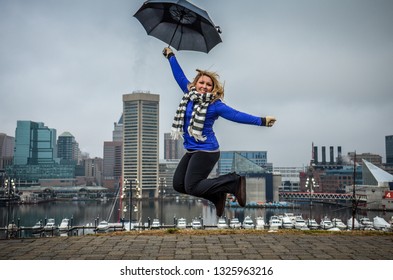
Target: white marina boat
355,224
50,225
300,223
37,228
222,223
64,225
286,222
338,223
155,224
290,216
235,223
326,223
248,223
181,223
196,224
381,224
103,226
260,223
312,224
366,223
274,223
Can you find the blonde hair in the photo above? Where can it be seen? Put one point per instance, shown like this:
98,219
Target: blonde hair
218,87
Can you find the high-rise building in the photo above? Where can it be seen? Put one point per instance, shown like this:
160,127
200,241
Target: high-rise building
112,162
389,149
141,140
35,155
117,134
7,144
173,149
34,143
67,148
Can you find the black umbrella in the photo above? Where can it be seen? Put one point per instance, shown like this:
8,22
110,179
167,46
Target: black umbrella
179,23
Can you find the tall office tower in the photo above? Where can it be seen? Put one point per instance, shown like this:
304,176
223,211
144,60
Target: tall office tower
67,148
141,140
7,144
173,149
389,149
112,162
34,144
117,134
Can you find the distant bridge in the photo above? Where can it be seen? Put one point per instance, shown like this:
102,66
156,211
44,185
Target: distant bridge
320,196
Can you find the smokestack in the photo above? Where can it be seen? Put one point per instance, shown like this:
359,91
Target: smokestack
331,155
323,155
339,156
315,154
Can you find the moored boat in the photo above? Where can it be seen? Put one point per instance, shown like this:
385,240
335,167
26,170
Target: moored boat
300,223
50,225
381,224
274,223
312,224
366,223
103,226
37,228
248,223
181,223
326,223
235,223
353,224
155,224
196,224
260,223
222,223
64,225
338,223
287,222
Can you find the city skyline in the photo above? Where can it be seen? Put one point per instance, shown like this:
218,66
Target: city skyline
322,68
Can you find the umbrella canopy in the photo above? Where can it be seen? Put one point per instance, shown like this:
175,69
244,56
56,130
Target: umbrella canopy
180,24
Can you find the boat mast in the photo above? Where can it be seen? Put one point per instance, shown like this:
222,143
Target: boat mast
354,206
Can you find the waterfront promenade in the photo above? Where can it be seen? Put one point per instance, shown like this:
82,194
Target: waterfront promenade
204,245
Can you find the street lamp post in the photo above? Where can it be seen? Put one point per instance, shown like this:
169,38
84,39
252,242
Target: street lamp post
162,191
130,205
354,202
310,184
127,191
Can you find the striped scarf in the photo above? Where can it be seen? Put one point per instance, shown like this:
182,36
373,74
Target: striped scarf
201,102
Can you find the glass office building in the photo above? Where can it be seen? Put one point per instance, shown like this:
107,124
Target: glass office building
34,143
35,155
252,162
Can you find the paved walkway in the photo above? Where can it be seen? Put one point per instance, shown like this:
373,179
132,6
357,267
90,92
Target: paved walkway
255,246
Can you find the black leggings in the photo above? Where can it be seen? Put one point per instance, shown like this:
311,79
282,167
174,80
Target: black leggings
191,176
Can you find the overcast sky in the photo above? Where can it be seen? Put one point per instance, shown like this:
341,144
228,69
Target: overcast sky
323,68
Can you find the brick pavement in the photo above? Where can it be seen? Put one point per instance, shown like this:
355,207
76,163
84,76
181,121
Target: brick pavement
217,246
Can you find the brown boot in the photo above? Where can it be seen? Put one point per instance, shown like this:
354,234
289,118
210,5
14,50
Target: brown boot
241,192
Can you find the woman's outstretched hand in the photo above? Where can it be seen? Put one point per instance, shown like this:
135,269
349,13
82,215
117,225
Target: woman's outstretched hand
167,52
270,120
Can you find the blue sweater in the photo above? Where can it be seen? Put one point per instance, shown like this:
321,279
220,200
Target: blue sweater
215,110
